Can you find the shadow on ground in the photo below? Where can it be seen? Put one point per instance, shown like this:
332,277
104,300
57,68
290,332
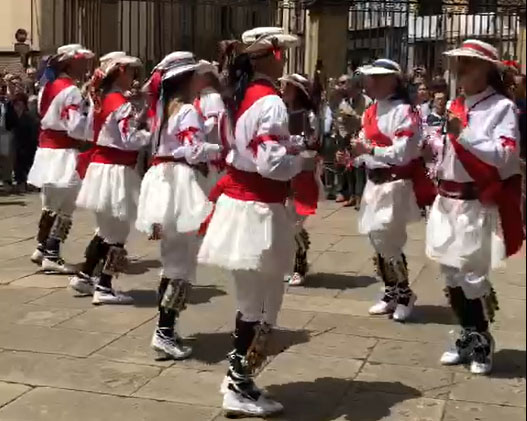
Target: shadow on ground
434,314
509,364
211,348
329,398
138,267
13,203
338,281
200,294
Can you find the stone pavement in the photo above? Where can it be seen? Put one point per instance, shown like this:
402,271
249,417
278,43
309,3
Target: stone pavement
61,359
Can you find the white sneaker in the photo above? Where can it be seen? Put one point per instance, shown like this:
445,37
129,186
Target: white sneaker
83,285
225,387
109,296
452,357
37,257
296,279
169,348
402,312
482,356
382,307
235,404
56,266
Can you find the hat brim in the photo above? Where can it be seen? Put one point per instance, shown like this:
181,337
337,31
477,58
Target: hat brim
84,54
377,71
463,52
284,41
296,84
204,68
171,73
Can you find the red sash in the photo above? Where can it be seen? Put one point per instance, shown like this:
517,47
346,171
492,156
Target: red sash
424,188
50,91
505,194
54,139
105,155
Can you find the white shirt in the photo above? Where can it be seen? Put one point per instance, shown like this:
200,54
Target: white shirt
183,136
266,117
67,112
492,135
400,123
212,108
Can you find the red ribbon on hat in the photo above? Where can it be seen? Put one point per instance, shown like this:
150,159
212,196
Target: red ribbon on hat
479,49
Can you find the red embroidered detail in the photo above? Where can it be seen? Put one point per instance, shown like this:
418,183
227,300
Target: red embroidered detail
508,142
404,133
65,111
257,141
187,135
126,125
197,106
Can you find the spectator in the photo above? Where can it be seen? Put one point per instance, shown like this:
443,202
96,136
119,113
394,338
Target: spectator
349,122
422,102
7,122
25,137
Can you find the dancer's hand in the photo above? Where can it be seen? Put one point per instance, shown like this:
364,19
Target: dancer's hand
157,232
361,148
454,125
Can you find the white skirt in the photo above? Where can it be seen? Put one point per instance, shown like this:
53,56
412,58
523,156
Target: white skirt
57,167
464,234
110,189
386,204
172,195
245,235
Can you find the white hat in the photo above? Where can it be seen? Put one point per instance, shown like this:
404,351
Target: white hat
110,64
265,38
72,51
112,55
177,63
298,81
477,49
207,67
380,67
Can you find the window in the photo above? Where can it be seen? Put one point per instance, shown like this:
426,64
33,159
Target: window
482,6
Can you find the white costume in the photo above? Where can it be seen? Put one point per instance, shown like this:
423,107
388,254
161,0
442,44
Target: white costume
64,121
111,186
475,221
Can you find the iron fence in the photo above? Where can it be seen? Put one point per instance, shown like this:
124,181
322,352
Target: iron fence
413,32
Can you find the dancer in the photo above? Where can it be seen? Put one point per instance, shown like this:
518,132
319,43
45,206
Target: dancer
173,203
63,112
211,108
304,186
111,185
250,232
476,221
389,146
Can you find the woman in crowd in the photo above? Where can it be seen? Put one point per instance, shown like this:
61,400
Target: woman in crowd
111,184
304,187
250,232
475,221
173,202
389,146
64,121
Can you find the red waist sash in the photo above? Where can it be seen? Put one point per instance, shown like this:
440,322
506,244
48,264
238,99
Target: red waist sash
114,156
250,186
54,139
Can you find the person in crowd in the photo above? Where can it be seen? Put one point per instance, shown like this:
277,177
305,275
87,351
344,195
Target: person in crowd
64,122
111,184
397,183
423,101
351,109
173,201
25,139
475,222
250,232
8,122
306,187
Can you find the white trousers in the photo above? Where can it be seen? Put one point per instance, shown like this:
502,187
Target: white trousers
474,284
60,199
179,255
259,295
112,229
389,243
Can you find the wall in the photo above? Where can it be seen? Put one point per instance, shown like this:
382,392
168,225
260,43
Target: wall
20,14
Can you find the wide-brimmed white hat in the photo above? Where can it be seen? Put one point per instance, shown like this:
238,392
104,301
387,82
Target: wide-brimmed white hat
112,56
177,63
298,81
71,52
477,49
117,60
266,38
207,67
382,66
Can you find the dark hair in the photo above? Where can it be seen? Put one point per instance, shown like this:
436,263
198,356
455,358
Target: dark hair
439,84
496,80
401,92
302,100
240,75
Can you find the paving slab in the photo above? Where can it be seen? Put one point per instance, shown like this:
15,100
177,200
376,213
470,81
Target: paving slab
11,391
29,314
467,411
335,345
74,373
48,404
